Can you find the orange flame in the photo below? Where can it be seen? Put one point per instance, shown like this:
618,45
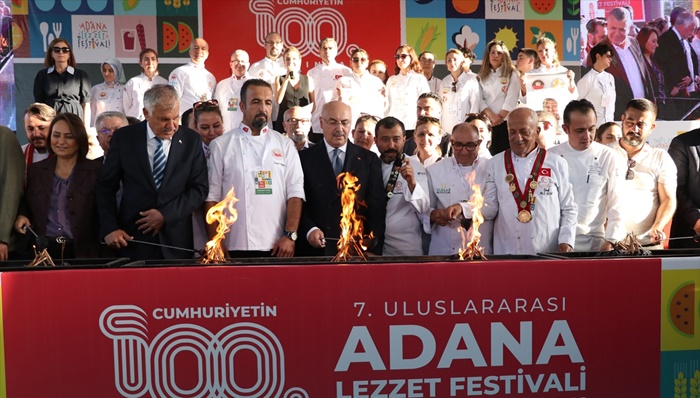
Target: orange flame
351,228
225,214
472,249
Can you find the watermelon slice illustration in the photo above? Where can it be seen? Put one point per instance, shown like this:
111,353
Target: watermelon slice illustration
185,35
681,309
542,6
169,37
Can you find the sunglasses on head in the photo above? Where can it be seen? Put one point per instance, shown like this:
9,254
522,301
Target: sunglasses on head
367,116
212,103
58,50
402,56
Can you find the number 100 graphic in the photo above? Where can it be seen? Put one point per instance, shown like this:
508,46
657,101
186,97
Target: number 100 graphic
142,367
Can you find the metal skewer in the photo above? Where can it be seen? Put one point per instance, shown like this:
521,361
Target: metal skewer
143,242
695,238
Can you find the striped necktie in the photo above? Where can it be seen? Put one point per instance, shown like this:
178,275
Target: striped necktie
158,163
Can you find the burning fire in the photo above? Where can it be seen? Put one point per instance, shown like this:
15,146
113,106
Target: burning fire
472,249
225,214
351,228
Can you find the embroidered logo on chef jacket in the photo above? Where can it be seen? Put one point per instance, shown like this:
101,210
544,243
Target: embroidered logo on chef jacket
442,189
277,153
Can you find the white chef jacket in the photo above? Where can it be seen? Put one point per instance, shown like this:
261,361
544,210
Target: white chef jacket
403,233
325,78
228,93
105,98
193,83
599,89
362,93
497,93
596,174
434,83
402,94
449,184
268,69
554,217
456,105
236,159
133,94
641,194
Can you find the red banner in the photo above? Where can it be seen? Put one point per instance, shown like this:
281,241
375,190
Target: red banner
520,328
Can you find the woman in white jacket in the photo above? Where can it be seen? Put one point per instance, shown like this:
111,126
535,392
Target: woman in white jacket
404,87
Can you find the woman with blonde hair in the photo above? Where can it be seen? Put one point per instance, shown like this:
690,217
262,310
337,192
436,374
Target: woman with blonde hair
500,88
292,89
548,62
405,86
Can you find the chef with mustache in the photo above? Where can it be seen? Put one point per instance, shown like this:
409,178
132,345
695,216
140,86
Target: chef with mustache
649,188
263,166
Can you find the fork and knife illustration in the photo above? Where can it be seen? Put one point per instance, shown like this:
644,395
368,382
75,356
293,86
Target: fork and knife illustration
48,37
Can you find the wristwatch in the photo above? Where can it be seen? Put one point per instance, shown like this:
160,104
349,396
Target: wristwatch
290,234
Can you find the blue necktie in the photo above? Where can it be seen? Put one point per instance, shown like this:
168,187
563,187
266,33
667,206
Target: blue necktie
158,163
337,163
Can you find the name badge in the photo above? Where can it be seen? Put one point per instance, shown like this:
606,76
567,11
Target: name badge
263,182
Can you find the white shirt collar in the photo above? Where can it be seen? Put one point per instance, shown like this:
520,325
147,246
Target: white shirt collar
330,148
69,69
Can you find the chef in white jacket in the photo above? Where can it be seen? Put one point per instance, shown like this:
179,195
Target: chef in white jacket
228,91
529,194
452,183
406,188
193,81
460,92
325,76
596,174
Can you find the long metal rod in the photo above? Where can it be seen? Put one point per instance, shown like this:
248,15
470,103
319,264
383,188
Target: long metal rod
143,242
695,238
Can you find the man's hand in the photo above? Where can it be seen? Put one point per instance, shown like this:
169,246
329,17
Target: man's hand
453,211
3,251
152,221
657,234
284,247
696,228
407,173
565,248
21,223
607,246
316,239
118,239
439,217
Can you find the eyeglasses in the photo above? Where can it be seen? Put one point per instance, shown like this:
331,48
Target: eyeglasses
358,59
454,87
334,123
469,145
274,43
108,131
212,103
630,173
402,56
300,121
59,50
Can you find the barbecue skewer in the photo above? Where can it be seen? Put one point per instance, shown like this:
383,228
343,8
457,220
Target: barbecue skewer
143,242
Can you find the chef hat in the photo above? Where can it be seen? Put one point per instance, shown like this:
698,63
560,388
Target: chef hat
118,69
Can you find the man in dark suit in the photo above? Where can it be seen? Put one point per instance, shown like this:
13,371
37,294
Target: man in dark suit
678,61
685,152
632,80
163,172
322,209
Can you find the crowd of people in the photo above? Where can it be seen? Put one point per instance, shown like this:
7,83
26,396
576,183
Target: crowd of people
422,150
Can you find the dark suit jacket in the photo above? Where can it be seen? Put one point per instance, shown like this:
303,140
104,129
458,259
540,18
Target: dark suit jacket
184,188
322,208
82,209
670,57
685,151
623,90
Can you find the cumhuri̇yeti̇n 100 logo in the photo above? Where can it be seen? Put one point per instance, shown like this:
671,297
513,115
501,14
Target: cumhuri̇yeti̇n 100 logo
148,367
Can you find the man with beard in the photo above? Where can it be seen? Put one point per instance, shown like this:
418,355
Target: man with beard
452,183
193,81
649,189
297,123
263,166
596,173
37,119
228,91
406,188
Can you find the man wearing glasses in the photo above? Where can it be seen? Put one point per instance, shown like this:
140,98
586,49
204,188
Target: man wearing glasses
297,123
193,81
649,189
106,124
272,65
451,185
228,91
322,163
596,174
325,76
361,90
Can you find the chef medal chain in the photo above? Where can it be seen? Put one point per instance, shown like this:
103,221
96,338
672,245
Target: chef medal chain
394,176
524,201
